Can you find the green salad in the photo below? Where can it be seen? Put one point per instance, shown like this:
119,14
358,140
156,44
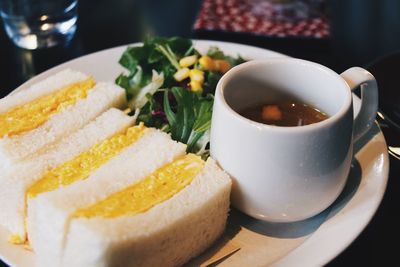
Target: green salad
171,86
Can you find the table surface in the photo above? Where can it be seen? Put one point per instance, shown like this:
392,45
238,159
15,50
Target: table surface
362,32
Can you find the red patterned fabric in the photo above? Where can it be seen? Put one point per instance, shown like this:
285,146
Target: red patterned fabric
298,18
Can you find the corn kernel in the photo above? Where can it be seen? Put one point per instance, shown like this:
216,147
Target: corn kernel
195,86
207,63
16,239
181,74
222,65
197,75
188,61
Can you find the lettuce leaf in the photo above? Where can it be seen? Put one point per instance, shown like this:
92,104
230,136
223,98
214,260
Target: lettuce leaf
158,100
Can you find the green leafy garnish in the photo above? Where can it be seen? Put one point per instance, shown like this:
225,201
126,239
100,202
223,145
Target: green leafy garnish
158,100
192,117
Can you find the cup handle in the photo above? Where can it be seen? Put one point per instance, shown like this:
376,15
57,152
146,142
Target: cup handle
355,77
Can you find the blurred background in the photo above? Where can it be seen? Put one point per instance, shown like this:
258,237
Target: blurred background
361,31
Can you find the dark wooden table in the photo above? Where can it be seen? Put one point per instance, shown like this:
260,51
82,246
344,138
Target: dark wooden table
362,31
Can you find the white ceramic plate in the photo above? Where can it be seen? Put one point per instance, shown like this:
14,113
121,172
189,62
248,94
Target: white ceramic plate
312,242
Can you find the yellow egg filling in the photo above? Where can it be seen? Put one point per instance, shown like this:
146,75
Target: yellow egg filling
16,239
81,167
157,187
31,115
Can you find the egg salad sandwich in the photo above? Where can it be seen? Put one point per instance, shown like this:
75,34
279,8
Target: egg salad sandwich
149,205
46,124
85,186
17,178
51,109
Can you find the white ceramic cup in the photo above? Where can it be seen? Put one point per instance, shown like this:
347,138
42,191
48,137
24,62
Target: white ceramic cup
285,174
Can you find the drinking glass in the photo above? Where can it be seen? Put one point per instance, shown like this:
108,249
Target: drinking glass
33,24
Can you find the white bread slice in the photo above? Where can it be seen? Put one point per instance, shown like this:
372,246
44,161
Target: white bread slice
169,234
102,97
18,177
49,213
42,88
